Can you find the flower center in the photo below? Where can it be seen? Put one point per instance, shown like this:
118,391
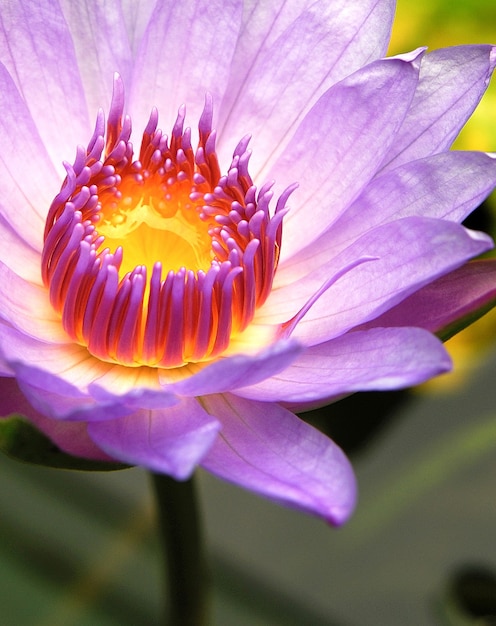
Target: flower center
155,222
159,260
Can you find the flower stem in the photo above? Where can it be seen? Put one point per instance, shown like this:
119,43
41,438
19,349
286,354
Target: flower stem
180,530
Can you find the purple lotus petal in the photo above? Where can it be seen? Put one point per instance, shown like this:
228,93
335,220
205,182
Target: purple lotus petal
452,82
378,359
16,254
410,252
371,104
58,378
91,23
66,405
20,298
430,187
266,448
239,370
172,441
50,393
447,300
69,364
5,369
52,90
71,437
182,56
138,398
70,404
137,14
31,192
288,55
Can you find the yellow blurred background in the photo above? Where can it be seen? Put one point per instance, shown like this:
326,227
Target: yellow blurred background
437,24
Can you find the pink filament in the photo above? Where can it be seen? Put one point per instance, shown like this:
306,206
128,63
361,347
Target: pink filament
158,320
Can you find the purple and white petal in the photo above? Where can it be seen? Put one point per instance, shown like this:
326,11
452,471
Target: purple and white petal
448,301
140,397
410,252
66,404
71,437
19,298
62,401
17,255
452,82
102,47
29,191
34,39
266,448
65,381
70,364
66,363
5,370
171,441
182,57
55,377
238,370
136,15
446,186
379,359
370,105
287,56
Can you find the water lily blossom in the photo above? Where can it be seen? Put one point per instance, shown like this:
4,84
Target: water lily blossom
257,213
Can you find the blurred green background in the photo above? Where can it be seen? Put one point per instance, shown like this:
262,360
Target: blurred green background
79,549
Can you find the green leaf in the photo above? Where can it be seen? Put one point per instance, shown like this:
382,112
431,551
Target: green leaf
20,440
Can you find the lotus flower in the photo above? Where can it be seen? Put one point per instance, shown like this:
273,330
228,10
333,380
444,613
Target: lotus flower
171,299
